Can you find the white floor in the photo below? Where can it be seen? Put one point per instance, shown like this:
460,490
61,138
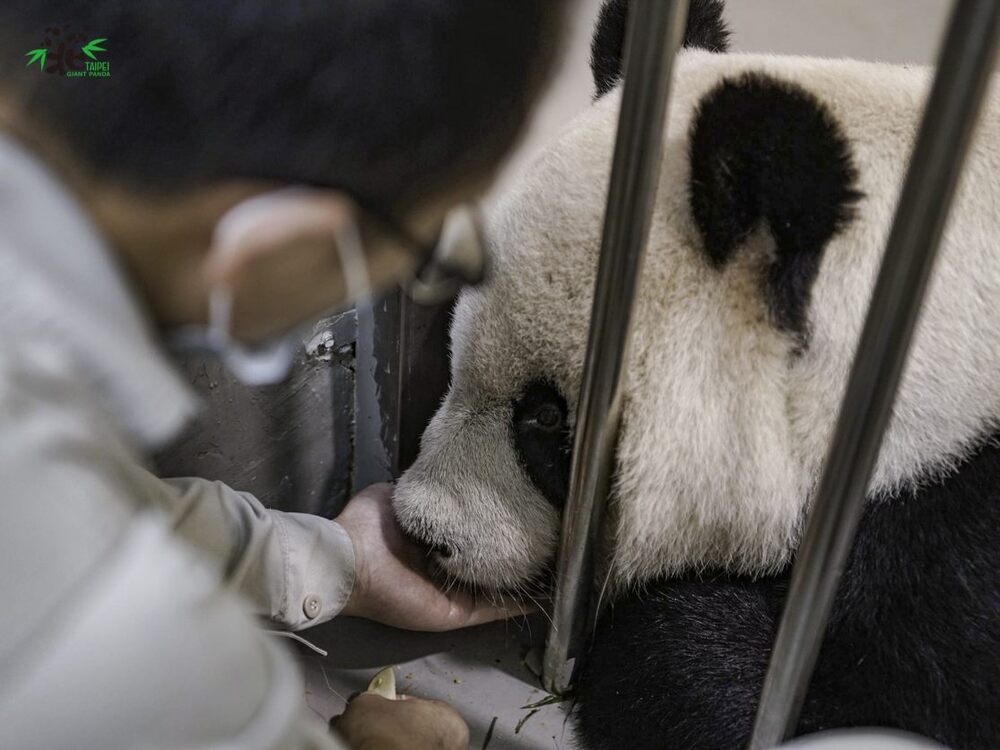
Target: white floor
481,671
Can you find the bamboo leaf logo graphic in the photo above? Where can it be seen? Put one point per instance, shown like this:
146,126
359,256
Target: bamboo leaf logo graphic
37,55
93,46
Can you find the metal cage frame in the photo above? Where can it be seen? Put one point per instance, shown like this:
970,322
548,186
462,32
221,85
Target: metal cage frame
654,33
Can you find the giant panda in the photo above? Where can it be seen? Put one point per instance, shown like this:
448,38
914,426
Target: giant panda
779,181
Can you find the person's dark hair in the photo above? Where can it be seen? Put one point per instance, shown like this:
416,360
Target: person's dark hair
387,99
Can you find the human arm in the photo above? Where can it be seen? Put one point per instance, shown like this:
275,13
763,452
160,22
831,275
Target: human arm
115,633
296,569
361,564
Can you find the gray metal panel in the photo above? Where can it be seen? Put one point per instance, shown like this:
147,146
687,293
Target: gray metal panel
351,413
377,400
290,444
403,372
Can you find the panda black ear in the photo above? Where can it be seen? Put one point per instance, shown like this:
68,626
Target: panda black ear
705,29
767,151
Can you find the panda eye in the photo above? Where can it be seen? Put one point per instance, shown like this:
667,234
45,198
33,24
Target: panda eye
548,417
543,439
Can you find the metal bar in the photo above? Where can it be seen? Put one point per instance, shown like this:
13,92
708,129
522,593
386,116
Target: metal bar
424,372
402,374
963,72
655,31
376,409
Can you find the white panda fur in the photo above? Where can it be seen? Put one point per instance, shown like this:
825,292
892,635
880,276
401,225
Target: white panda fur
725,426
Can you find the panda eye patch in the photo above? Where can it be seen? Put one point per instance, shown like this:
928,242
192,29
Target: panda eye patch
543,440
548,416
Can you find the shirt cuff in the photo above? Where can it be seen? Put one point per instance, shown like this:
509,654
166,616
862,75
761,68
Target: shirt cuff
319,568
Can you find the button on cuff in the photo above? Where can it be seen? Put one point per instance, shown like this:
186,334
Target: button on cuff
312,606
318,569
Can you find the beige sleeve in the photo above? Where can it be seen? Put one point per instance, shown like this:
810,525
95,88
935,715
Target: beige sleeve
296,569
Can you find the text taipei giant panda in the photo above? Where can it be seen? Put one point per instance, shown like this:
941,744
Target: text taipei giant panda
779,182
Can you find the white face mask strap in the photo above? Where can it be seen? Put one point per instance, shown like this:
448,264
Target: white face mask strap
353,263
271,362
265,365
220,313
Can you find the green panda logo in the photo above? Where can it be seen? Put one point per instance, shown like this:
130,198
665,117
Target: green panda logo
70,54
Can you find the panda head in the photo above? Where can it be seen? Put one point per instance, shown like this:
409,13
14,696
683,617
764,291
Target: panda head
756,180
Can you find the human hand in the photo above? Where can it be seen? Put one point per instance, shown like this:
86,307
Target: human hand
392,585
372,722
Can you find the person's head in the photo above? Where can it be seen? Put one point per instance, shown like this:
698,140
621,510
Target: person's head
393,109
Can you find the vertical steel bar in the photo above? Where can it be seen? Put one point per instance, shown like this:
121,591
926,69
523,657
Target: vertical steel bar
401,374
655,31
964,69
376,406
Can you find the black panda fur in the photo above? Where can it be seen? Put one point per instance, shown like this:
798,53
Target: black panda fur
767,151
705,30
544,445
913,642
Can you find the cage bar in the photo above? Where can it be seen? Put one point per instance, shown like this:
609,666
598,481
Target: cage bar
654,33
964,69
